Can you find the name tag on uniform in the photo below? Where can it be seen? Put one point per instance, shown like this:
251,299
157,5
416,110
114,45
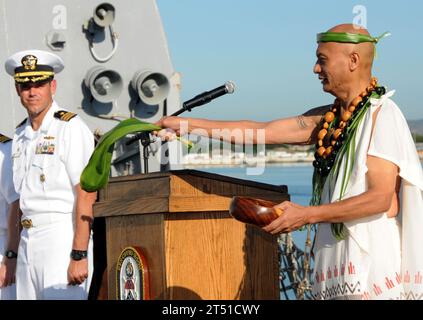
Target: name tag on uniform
46,145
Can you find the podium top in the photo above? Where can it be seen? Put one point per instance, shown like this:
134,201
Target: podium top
179,191
203,174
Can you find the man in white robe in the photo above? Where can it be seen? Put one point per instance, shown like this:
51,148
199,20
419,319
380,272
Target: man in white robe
381,205
380,202
380,257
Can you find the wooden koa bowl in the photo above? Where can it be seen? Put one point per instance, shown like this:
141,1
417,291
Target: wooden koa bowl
254,211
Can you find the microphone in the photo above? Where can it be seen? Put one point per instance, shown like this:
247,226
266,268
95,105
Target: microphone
198,100
206,97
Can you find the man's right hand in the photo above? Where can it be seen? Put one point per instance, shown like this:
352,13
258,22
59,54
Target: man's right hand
77,272
172,127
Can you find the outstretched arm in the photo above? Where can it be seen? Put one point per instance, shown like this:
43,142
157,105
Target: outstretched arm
295,130
301,129
381,196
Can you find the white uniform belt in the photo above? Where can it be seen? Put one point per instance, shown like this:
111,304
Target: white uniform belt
38,220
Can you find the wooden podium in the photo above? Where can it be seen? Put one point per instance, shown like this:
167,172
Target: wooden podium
193,247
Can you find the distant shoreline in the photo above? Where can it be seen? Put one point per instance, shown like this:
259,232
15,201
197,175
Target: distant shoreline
273,164
266,164
241,160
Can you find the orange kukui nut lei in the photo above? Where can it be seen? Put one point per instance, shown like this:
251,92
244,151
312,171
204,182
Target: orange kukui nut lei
332,132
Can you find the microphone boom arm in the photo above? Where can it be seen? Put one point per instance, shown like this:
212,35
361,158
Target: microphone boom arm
198,100
206,97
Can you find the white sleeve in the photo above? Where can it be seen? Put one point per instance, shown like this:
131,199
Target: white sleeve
6,174
392,141
79,145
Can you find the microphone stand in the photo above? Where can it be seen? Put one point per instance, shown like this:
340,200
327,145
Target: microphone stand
197,101
145,142
141,135
183,109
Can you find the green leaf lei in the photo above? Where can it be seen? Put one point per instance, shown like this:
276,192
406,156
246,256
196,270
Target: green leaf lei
96,174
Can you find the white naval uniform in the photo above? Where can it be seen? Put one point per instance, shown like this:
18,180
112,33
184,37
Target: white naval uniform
47,165
7,196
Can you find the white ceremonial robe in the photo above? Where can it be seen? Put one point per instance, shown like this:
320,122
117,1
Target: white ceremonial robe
380,258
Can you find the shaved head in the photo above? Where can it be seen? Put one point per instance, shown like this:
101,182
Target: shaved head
366,50
344,67
350,28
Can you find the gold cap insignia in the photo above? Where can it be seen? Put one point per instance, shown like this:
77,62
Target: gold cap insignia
29,62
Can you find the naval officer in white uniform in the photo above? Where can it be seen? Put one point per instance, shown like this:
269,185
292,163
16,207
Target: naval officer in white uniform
9,218
50,149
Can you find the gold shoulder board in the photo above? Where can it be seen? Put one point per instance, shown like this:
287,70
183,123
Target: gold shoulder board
64,115
4,139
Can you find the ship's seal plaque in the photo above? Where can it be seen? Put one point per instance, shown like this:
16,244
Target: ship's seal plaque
132,282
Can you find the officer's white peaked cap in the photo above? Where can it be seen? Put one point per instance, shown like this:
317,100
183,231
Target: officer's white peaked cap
33,65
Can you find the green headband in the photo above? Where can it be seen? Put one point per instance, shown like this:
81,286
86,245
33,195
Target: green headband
345,37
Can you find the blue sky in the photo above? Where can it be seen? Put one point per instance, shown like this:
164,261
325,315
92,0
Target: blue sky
267,47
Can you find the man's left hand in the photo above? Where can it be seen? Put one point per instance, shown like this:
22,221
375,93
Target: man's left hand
77,271
292,218
7,272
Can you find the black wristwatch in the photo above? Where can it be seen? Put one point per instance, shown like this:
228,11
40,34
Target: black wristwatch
78,254
10,254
